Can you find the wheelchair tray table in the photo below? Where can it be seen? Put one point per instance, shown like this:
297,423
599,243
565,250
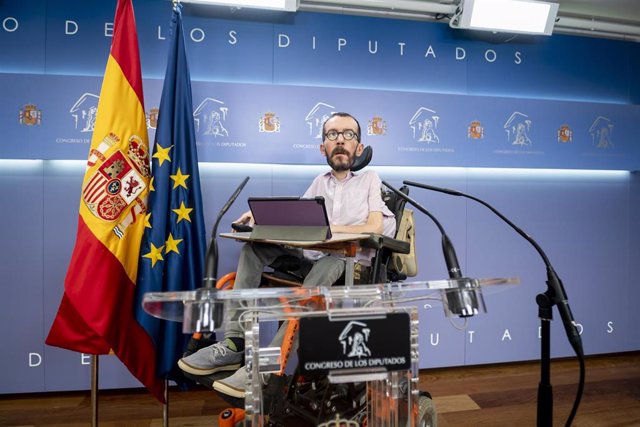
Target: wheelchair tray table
342,243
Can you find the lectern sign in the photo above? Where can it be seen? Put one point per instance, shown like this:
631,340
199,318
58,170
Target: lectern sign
327,345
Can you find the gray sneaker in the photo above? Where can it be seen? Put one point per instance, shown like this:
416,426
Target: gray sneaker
234,385
212,359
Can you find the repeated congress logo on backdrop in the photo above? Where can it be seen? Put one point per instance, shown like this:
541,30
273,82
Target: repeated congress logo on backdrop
449,130
210,117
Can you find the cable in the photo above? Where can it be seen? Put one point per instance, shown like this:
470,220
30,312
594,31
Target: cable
453,22
576,402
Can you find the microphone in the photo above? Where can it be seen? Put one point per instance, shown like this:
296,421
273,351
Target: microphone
450,257
556,291
461,301
211,260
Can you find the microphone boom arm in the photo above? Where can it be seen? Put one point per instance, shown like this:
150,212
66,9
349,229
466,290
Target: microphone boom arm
555,295
211,260
451,259
556,291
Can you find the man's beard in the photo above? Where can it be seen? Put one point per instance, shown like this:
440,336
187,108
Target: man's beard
337,165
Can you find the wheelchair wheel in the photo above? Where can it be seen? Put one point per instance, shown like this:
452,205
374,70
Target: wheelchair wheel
427,416
231,417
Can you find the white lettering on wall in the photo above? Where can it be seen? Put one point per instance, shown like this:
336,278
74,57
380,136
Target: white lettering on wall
435,343
490,55
85,359
375,50
34,360
471,336
610,327
70,27
10,24
506,335
197,35
341,43
283,40
430,51
580,328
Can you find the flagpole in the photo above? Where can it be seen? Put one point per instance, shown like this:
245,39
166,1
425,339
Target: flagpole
94,390
165,405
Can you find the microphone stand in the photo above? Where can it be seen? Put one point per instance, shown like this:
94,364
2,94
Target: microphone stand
211,273
459,301
554,295
211,261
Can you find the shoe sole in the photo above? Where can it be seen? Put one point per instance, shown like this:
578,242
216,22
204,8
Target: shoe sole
223,388
200,371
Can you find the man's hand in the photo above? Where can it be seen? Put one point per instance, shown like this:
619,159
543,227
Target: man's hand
245,219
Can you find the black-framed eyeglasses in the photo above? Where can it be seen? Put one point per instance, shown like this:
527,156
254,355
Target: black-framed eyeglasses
348,135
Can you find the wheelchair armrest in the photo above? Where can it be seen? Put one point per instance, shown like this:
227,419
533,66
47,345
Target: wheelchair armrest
378,241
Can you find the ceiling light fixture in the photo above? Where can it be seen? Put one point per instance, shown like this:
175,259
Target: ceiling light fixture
283,5
509,16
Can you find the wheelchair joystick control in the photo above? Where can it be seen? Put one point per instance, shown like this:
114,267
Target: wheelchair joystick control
241,228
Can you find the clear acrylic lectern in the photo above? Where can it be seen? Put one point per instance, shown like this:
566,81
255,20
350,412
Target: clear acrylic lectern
345,335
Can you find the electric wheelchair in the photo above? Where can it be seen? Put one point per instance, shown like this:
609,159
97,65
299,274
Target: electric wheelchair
303,399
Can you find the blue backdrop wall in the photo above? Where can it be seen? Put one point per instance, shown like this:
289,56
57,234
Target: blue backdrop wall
542,128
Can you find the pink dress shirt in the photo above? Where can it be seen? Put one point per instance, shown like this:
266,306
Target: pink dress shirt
349,202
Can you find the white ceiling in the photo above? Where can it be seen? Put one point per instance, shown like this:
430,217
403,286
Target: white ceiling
618,19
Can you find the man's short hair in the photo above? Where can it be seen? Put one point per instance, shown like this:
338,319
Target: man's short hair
324,131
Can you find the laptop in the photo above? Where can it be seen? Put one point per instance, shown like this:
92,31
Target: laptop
289,218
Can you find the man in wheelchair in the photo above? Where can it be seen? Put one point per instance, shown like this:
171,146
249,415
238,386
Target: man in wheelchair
354,205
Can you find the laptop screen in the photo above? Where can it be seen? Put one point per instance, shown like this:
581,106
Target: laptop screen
289,211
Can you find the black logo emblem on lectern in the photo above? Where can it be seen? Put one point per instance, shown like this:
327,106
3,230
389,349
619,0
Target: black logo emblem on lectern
373,344
354,338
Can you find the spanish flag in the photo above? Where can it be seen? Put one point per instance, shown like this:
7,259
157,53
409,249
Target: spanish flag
96,313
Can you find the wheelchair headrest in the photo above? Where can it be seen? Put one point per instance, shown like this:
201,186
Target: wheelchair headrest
363,159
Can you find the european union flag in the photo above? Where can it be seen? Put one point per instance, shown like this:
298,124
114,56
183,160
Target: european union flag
174,243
